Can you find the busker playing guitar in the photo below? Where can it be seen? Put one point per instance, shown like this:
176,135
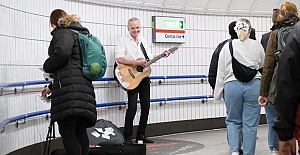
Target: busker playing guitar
127,52
129,76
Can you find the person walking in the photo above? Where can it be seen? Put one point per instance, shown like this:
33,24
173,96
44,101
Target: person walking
270,108
212,73
287,17
240,97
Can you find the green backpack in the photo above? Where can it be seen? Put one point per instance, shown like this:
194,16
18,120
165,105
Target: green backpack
93,56
282,35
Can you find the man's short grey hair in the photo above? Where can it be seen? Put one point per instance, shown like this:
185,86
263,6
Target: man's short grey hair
132,19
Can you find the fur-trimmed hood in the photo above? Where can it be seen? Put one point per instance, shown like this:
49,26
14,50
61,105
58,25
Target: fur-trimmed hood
68,20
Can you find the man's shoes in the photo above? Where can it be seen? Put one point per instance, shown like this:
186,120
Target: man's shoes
143,138
128,141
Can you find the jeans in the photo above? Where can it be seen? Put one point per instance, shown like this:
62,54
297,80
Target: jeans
272,135
243,113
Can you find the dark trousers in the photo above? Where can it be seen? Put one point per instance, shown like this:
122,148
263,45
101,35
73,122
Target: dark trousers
143,89
74,136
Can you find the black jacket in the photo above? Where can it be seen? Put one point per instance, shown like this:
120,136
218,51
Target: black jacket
288,86
264,40
213,67
72,93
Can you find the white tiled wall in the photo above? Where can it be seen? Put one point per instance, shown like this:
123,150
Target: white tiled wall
25,36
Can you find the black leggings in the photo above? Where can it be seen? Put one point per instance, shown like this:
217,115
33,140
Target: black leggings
74,136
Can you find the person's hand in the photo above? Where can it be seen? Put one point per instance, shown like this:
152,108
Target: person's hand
287,147
46,91
140,62
167,53
263,101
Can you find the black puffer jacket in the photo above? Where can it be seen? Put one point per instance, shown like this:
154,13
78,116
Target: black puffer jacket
72,93
213,67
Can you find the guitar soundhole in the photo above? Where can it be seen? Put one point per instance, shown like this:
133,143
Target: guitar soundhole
131,74
139,68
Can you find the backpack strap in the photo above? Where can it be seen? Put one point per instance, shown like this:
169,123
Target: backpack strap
144,52
282,35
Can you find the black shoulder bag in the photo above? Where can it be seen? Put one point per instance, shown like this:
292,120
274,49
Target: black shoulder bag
240,71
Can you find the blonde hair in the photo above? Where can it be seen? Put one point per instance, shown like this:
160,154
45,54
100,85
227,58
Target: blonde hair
247,21
241,33
67,20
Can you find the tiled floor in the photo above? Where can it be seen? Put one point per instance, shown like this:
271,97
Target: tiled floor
212,142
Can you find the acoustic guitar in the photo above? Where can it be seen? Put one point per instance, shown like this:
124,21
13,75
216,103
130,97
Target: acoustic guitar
129,77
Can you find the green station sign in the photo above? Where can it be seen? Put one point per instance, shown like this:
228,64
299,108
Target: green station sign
173,24
168,29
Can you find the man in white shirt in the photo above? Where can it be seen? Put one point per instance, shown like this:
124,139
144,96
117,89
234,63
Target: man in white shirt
128,50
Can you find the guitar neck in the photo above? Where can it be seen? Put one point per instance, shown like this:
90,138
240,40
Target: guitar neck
154,59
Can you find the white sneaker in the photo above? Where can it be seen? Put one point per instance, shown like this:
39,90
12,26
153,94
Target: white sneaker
274,152
235,153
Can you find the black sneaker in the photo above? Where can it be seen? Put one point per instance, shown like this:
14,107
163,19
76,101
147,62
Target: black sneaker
143,138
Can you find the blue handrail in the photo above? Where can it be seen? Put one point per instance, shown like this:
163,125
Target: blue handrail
38,113
27,83
20,117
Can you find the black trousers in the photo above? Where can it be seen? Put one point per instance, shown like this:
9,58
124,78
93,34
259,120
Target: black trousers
74,135
143,90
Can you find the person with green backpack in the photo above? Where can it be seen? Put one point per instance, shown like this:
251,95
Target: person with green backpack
73,104
270,109
286,19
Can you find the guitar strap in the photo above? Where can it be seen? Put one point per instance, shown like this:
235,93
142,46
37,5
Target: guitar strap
115,66
144,52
